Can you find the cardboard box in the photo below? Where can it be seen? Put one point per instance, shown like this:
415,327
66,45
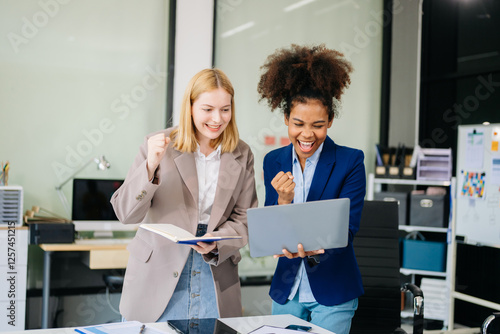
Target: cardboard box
400,197
424,255
427,210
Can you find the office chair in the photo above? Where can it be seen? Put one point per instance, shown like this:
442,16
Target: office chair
376,246
114,283
488,321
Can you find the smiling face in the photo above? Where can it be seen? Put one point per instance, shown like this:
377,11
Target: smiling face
211,113
307,127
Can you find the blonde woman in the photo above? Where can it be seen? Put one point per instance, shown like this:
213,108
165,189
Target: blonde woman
198,176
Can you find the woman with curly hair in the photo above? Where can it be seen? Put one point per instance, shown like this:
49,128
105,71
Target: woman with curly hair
306,83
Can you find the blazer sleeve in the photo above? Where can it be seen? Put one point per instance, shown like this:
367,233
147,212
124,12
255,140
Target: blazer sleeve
132,200
270,172
236,223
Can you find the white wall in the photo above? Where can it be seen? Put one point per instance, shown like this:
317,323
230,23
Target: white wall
193,44
78,79
405,73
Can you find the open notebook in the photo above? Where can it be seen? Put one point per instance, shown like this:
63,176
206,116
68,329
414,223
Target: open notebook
181,236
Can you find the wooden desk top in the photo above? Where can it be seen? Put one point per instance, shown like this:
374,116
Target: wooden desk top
87,245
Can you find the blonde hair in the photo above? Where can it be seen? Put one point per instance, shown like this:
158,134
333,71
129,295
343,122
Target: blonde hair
184,137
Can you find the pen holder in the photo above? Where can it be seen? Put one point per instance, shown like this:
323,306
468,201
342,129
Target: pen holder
381,171
396,164
408,172
393,172
386,170
3,177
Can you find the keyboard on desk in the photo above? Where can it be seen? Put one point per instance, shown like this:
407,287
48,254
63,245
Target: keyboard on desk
103,241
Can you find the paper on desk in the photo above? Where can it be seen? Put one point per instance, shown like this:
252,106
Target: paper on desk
127,327
275,330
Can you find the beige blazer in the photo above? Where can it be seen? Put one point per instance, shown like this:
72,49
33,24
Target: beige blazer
155,263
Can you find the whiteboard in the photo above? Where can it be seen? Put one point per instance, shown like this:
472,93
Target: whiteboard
478,184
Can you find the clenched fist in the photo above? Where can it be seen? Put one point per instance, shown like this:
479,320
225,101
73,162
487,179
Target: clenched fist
284,186
157,146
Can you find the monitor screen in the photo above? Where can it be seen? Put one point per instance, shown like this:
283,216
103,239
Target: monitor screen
91,208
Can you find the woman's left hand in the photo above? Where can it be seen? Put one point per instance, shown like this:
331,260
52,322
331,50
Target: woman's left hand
300,253
205,247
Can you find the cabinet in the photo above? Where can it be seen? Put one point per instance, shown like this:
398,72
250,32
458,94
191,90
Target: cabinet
444,279
13,267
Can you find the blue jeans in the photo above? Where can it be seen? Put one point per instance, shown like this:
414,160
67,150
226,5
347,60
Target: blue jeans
194,295
335,318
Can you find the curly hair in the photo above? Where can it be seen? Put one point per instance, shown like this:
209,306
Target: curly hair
300,73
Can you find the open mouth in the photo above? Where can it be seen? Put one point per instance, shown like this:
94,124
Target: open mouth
306,146
213,128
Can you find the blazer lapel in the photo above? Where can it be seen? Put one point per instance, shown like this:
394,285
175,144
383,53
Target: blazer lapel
229,174
285,161
187,169
324,169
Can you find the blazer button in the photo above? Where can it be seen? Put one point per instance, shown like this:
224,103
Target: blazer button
139,197
176,274
144,192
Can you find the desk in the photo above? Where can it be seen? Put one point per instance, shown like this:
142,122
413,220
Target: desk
244,325
99,254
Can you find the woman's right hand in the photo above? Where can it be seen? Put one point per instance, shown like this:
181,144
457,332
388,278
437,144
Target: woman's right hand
284,186
157,146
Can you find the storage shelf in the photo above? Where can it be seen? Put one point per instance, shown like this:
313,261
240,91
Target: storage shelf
412,182
406,271
434,168
374,185
411,228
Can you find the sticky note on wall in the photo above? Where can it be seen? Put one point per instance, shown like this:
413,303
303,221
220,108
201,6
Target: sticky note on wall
495,139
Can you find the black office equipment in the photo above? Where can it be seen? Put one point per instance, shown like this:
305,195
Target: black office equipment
48,233
91,199
206,325
377,251
91,207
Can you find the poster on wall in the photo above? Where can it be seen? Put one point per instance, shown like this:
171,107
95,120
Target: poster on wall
473,185
495,171
474,147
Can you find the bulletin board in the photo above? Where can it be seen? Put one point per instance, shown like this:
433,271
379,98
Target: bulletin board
478,184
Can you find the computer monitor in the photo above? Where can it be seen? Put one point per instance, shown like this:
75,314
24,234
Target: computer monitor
91,208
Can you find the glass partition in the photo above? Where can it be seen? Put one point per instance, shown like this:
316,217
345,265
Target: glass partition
80,79
246,32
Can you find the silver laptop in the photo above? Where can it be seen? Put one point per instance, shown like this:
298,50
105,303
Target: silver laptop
318,224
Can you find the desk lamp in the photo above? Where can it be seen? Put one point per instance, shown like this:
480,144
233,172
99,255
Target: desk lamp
102,164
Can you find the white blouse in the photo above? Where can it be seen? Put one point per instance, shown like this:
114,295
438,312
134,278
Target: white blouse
207,168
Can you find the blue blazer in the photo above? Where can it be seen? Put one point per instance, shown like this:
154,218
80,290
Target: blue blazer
340,173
